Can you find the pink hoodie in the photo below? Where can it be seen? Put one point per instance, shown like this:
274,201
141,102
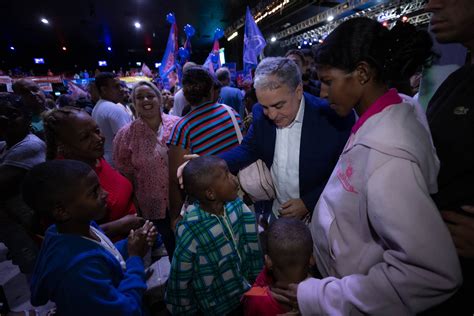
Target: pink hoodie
379,240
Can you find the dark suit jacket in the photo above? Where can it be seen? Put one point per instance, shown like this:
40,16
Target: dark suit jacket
323,137
233,97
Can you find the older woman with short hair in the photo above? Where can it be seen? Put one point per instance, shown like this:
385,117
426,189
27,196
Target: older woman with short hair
141,154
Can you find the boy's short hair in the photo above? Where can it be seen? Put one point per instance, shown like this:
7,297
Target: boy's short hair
199,174
102,79
53,182
289,242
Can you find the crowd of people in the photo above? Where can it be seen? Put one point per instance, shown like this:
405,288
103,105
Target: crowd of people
373,204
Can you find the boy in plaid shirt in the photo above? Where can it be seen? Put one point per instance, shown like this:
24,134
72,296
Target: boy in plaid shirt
217,254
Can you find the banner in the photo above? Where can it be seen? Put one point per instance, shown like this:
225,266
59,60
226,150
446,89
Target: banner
254,42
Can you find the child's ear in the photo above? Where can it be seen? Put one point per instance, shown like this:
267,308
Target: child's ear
210,194
268,262
60,214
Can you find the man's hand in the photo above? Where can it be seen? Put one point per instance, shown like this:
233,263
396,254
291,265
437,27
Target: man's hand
294,208
461,227
286,294
179,172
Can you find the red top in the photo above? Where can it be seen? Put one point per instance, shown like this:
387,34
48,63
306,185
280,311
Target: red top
120,189
258,301
389,98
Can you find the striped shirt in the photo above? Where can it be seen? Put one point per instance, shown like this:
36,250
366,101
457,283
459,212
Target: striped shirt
216,259
206,130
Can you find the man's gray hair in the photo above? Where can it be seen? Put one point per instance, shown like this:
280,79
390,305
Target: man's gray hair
274,72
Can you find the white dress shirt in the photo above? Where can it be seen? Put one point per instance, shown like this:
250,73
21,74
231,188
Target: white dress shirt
286,161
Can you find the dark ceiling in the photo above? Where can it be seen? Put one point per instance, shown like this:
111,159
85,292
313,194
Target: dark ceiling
87,27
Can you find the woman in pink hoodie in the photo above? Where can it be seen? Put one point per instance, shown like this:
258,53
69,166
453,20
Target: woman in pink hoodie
379,241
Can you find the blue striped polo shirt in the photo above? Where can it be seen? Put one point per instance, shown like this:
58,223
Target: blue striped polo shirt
206,130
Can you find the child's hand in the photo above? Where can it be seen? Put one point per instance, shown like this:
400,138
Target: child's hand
137,243
150,231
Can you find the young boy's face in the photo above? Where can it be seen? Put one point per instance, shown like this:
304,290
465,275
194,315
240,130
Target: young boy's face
90,201
226,186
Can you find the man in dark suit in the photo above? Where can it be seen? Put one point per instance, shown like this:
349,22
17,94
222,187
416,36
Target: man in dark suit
230,96
298,136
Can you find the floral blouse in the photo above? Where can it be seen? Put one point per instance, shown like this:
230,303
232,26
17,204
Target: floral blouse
141,153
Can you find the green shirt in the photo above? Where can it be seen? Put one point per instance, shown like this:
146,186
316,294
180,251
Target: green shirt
215,260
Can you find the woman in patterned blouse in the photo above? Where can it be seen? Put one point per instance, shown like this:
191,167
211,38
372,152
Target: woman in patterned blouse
141,154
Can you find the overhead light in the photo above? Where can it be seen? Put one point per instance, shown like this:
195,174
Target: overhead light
138,63
64,48
157,65
404,18
273,39
44,21
305,42
299,46
148,49
12,48
330,18
137,25
232,36
385,24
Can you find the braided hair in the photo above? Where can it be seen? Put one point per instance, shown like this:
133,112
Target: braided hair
53,121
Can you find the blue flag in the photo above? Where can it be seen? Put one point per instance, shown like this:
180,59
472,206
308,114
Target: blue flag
168,63
254,42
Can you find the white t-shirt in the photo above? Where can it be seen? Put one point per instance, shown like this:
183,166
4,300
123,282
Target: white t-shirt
25,154
179,104
110,117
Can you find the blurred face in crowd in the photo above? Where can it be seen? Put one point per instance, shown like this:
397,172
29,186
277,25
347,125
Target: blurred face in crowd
112,91
80,138
147,102
94,93
13,124
32,95
281,104
301,63
452,20
168,99
126,94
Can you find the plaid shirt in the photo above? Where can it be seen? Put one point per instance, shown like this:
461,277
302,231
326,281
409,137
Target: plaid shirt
215,259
